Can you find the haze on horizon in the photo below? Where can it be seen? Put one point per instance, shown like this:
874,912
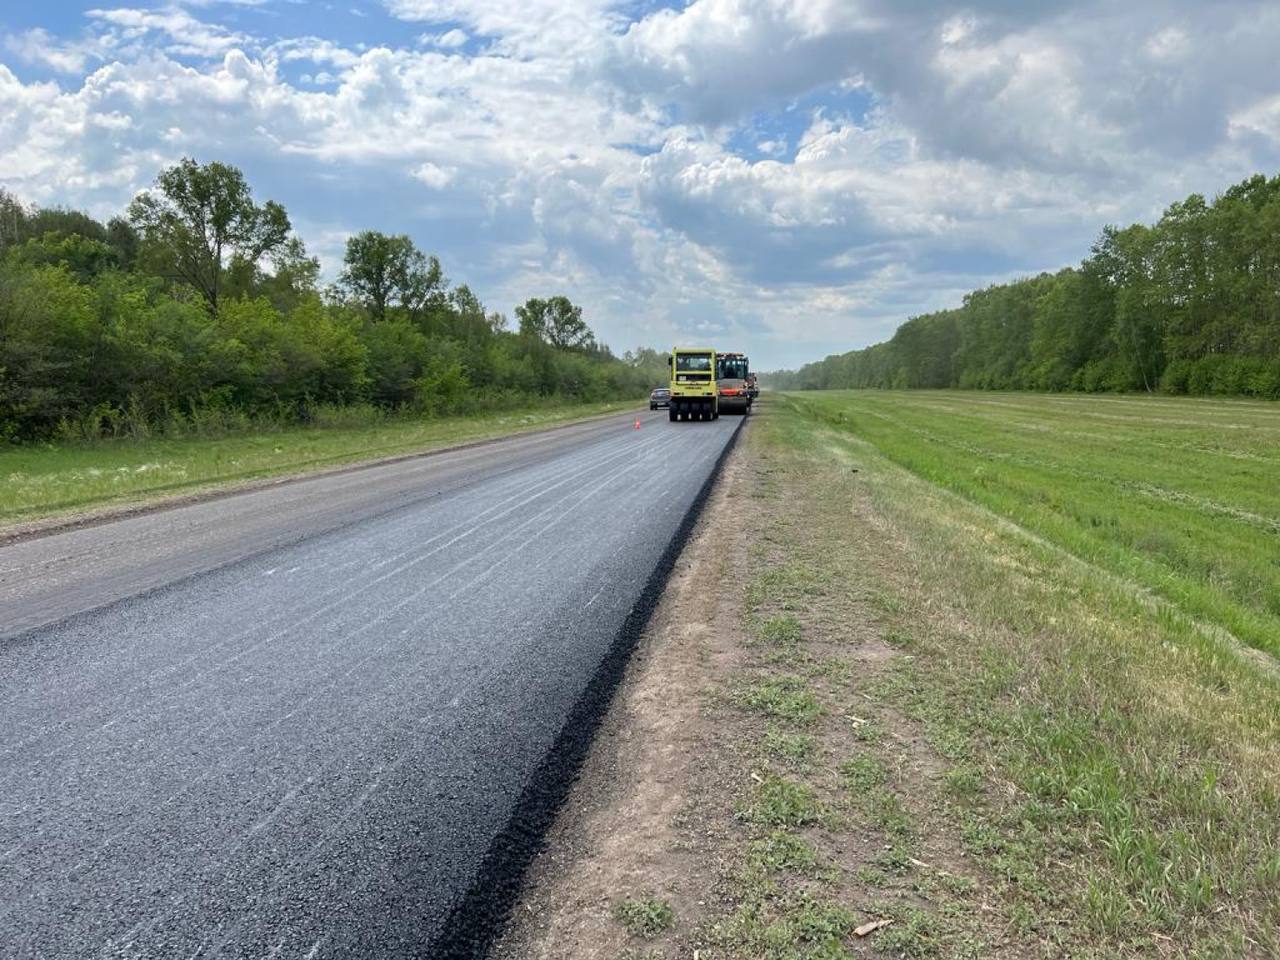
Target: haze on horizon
788,178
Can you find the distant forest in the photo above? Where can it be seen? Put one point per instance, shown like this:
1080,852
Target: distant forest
1190,305
199,311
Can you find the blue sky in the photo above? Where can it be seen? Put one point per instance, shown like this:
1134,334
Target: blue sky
787,177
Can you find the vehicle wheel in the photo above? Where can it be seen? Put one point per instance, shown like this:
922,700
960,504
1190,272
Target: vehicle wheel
671,414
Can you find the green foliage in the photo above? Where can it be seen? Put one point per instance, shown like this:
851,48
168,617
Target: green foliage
382,271
860,774
199,218
1190,305
219,444
780,802
782,697
645,917
208,316
556,321
782,631
783,850
1077,472
793,748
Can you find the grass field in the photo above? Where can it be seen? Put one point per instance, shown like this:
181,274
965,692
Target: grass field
45,480
1000,686
1179,496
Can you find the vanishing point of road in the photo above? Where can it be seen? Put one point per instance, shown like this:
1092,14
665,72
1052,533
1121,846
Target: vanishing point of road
293,722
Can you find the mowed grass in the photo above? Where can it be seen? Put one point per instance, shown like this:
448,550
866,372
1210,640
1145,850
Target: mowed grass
1178,496
1106,758
43,480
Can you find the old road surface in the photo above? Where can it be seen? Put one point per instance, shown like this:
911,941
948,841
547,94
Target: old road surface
297,722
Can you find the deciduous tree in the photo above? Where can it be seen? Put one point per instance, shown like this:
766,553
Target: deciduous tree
557,321
200,217
383,271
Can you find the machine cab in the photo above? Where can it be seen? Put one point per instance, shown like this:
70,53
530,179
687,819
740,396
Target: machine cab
693,383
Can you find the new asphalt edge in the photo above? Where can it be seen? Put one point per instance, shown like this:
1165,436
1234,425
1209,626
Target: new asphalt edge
475,923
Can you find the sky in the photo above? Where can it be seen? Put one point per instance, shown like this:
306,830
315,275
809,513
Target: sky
791,178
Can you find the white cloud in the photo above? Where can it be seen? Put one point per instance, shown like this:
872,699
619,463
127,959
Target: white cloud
38,46
1169,44
720,59
314,50
187,36
1260,119
449,40
545,27
435,177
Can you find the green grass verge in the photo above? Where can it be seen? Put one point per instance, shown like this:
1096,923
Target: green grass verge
43,480
1178,496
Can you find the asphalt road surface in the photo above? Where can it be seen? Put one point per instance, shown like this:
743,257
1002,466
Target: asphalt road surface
290,723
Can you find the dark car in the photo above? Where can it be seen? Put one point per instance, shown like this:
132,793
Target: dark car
661,397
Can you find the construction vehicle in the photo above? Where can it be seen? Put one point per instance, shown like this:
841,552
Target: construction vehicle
753,385
732,372
693,384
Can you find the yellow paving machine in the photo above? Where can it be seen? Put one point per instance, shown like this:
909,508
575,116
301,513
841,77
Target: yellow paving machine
693,384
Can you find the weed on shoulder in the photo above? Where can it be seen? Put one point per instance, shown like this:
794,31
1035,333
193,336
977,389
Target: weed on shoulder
794,749
860,774
790,927
645,916
912,934
784,697
964,780
782,802
785,585
899,639
783,850
782,631
867,731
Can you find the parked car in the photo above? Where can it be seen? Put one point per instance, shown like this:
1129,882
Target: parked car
661,397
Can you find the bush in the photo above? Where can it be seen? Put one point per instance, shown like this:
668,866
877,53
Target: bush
1224,375
1264,379
1177,377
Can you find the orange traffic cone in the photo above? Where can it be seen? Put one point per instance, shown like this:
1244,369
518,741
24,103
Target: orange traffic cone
637,426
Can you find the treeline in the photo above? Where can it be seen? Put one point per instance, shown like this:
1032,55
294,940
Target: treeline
1190,305
199,310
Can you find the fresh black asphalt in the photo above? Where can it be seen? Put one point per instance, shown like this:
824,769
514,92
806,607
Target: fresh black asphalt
328,718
